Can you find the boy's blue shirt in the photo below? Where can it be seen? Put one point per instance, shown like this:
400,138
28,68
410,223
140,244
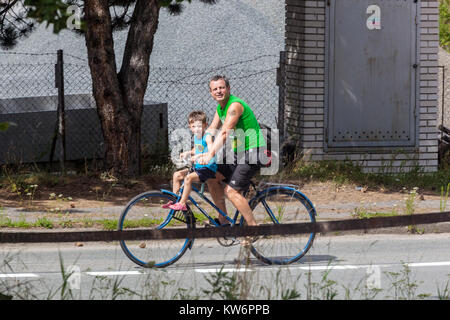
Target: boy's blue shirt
201,146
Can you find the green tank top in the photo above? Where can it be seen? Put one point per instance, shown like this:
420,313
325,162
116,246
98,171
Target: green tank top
247,133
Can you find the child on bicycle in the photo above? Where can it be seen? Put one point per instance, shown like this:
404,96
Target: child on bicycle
202,143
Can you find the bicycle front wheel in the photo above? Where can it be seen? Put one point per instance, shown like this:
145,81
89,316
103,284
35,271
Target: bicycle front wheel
144,212
282,205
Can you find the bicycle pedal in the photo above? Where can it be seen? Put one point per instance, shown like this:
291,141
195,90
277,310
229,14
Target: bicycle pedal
227,242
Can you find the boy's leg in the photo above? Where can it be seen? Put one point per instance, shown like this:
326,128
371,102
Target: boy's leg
188,180
178,177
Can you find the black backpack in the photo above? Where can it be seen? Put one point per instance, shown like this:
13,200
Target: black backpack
269,153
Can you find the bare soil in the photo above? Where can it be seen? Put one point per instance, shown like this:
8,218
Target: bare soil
91,192
80,191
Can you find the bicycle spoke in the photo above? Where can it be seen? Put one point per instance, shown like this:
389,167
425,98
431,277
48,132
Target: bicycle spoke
282,205
145,212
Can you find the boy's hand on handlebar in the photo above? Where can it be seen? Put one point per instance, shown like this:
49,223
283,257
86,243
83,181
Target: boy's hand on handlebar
203,158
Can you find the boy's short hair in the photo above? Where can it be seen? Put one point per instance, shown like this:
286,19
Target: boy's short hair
197,116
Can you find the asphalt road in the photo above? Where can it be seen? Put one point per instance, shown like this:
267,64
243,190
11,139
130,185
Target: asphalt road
339,267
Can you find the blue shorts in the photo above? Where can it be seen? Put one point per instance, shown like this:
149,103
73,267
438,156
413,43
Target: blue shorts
205,173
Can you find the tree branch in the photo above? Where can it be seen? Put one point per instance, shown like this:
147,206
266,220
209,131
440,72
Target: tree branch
102,62
8,6
134,71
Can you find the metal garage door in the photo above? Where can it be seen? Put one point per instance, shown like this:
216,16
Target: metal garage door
371,73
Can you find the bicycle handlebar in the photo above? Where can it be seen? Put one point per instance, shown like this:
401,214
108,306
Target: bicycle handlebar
184,162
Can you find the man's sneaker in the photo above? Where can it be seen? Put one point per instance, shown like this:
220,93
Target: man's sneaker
226,224
167,205
249,240
178,206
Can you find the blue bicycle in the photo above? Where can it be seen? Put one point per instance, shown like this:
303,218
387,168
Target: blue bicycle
272,204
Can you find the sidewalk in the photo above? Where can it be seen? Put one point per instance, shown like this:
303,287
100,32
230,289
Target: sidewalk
326,211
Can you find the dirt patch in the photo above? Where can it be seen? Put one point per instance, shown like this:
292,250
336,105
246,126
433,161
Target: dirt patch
91,192
78,191
329,193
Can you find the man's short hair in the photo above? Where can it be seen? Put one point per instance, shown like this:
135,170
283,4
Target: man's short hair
219,77
197,116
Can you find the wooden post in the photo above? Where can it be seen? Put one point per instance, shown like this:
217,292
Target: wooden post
281,83
60,114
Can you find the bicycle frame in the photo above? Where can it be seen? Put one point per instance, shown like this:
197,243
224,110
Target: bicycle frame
259,198
287,187
195,203
233,220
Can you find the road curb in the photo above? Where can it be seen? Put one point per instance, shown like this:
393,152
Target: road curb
441,227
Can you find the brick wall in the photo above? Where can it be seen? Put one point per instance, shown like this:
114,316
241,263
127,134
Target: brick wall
305,91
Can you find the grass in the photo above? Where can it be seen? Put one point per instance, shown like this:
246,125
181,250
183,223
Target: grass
362,213
338,172
346,172
106,224
221,285
444,197
27,181
444,24
43,222
67,223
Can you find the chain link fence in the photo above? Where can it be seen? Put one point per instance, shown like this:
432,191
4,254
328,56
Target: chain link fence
29,102
186,90
27,99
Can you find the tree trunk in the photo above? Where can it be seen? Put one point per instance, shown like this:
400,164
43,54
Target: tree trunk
119,96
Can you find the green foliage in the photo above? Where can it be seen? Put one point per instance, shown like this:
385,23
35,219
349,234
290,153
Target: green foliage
44,223
223,286
347,172
51,11
444,24
5,125
444,198
56,13
5,297
404,286
175,7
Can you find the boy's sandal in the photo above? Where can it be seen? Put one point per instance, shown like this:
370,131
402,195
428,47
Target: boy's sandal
167,205
178,206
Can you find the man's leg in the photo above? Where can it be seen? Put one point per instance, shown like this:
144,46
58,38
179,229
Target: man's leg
239,182
241,204
218,194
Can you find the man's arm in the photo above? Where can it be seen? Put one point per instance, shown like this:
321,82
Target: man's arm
209,141
234,112
215,125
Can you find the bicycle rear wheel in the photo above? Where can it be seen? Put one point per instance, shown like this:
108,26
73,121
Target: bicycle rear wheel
144,212
282,205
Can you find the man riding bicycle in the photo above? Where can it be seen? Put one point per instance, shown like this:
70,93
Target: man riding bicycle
233,116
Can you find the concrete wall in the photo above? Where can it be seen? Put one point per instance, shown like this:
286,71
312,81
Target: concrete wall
305,91
30,139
